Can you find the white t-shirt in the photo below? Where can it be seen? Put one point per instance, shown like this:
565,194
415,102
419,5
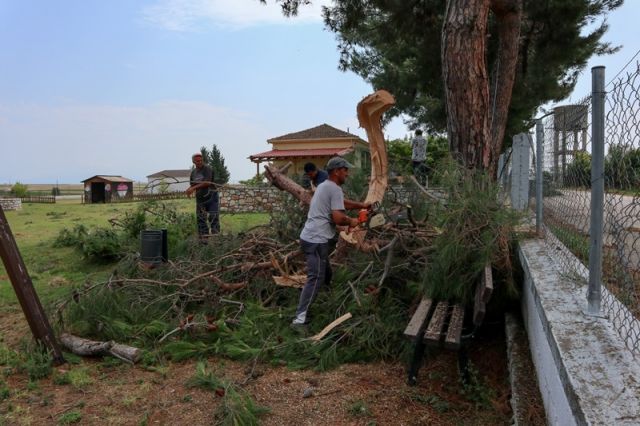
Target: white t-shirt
319,227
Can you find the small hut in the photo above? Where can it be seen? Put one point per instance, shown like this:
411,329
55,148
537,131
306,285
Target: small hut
107,188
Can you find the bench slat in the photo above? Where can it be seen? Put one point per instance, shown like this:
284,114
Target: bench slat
487,283
418,319
434,329
454,332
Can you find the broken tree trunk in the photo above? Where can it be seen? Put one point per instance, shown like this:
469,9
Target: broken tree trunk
282,182
370,111
85,347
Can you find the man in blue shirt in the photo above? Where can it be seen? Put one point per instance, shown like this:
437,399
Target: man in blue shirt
315,176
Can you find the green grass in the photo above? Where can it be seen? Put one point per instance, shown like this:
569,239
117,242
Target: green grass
52,269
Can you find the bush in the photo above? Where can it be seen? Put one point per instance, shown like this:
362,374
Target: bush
19,190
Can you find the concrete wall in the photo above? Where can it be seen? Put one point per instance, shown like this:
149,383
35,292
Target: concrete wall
587,376
11,203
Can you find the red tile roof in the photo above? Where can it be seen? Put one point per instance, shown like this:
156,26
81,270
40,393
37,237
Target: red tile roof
298,153
323,131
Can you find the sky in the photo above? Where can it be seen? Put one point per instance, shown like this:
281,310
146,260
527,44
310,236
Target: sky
135,87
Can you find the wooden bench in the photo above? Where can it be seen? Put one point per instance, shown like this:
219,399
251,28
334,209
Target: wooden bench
440,324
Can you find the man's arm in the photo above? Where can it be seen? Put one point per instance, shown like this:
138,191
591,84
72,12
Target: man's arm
352,205
341,219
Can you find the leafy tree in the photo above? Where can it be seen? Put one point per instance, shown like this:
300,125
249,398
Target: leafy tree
578,173
215,159
477,68
622,167
19,190
258,180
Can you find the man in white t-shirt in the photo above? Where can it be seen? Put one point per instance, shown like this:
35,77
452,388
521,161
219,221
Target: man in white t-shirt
327,210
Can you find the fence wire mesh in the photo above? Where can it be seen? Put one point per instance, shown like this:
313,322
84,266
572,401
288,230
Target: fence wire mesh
567,198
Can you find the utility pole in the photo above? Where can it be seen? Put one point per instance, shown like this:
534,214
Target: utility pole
23,286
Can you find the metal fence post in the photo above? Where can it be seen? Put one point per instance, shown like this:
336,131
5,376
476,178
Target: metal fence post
539,176
597,190
520,171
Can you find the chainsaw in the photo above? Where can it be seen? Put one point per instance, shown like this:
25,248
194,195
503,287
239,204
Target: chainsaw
372,217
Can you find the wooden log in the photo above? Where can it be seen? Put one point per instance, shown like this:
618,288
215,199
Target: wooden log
85,347
127,353
417,323
454,331
282,182
436,325
330,327
295,281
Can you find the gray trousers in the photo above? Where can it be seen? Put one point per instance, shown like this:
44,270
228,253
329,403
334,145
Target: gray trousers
318,274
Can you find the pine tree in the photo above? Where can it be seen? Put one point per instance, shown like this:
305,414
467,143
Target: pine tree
215,159
524,54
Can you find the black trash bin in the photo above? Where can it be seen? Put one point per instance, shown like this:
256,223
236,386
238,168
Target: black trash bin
153,246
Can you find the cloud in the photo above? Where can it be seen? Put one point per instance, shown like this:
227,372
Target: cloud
197,15
72,142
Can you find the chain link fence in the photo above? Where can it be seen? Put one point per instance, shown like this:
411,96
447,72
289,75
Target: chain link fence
571,213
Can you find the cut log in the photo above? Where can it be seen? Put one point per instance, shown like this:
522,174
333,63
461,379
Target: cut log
85,347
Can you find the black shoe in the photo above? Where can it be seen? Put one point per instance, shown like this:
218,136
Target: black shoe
300,329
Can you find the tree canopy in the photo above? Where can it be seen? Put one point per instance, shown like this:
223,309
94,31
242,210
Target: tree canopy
396,45
215,160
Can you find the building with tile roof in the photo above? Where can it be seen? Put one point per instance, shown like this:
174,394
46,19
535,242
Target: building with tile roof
316,145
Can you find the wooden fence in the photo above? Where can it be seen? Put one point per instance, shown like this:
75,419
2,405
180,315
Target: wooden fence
44,199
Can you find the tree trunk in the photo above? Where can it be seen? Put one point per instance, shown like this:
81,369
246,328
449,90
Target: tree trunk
508,18
476,115
466,82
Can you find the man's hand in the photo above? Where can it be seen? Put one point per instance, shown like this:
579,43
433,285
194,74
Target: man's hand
189,191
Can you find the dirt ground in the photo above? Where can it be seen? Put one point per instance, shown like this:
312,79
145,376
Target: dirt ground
356,394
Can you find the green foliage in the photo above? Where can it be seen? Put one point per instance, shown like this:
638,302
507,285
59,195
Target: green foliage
475,389
19,190
109,244
103,244
475,230
5,392
70,417
578,173
359,409
622,167
397,46
237,407
257,180
215,159
35,361
399,153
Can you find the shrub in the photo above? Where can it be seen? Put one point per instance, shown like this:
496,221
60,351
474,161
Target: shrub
19,190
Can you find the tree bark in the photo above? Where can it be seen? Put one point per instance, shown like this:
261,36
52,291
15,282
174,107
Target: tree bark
477,115
466,81
508,18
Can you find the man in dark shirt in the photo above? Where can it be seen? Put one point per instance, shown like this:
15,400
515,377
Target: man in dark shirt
314,177
206,197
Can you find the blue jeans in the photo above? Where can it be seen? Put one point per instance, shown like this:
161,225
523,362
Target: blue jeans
208,215
318,274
